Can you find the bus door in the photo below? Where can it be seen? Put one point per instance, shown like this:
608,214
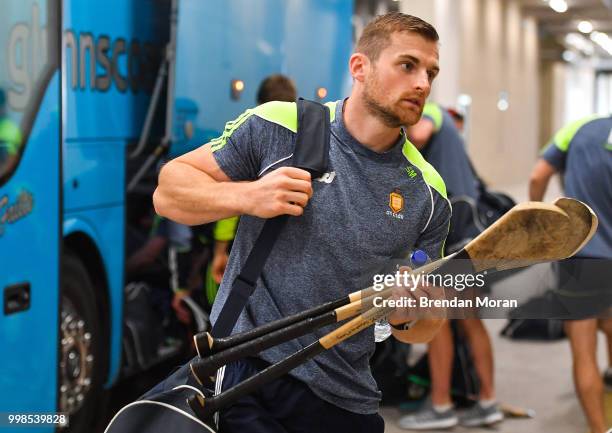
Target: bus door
30,206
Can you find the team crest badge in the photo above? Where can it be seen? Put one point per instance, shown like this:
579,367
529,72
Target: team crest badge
396,201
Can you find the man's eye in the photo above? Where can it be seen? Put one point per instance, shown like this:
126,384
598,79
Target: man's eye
408,66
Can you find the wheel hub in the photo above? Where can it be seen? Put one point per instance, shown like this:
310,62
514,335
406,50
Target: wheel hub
76,362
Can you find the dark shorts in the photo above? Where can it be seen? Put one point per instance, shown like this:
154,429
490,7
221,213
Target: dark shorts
584,288
287,405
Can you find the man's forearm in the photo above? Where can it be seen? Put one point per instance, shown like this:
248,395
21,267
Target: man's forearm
190,196
538,181
537,189
221,247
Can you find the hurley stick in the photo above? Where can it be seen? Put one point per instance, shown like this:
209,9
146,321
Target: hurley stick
207,366
207,345
204,407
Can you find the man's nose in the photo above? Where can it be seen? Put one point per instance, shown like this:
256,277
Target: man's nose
422,82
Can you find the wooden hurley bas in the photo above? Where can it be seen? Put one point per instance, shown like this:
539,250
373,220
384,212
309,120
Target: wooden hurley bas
207,345
207,366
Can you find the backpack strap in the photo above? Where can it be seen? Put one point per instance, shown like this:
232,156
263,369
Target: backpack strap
311,154
312,143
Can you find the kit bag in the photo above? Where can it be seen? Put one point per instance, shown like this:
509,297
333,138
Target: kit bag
472,216
164,408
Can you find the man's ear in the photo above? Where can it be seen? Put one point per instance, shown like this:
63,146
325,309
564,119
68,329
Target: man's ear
359,66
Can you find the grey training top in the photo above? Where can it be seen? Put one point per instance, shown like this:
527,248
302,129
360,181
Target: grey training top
582,150
348,232
445,150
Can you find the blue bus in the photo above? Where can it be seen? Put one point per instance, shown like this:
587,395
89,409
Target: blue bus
92,93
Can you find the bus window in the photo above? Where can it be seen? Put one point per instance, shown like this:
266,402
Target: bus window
10,139
24,71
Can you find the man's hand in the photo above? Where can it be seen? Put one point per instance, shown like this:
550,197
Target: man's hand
408,314
283,191
193,190
219,263
182,312
426,320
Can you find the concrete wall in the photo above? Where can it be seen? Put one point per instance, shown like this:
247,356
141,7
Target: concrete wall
488,48
552,99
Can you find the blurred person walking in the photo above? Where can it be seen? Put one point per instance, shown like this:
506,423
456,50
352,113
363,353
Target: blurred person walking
437,137
582,152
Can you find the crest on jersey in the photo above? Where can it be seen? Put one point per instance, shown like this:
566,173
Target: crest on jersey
396,201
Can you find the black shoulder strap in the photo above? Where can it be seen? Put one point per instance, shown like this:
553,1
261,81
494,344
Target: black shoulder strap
311,153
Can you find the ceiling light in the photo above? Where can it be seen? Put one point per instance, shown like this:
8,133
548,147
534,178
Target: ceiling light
585,27
569,56
558,5
603,40
579,43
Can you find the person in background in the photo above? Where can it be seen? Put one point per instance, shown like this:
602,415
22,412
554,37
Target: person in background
276,87
440,142
158,253
10,139
582,152
223,234
458,118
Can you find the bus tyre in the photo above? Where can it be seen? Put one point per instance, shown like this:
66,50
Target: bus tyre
80,376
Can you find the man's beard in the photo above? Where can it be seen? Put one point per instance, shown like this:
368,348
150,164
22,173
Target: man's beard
385,113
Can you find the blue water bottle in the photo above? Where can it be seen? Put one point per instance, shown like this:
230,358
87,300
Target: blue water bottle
418,258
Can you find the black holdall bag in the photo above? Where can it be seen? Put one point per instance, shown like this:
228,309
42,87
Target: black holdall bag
165,407
471,217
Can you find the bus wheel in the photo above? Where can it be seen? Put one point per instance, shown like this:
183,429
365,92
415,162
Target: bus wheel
79,376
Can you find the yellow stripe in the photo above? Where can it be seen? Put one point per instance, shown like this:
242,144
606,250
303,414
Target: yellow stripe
281,113
430,175
230,127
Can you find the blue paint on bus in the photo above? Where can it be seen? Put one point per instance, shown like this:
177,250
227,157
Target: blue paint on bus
80,123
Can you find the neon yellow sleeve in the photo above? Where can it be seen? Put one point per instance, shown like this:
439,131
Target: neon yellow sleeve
225,229
565,135
433,112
